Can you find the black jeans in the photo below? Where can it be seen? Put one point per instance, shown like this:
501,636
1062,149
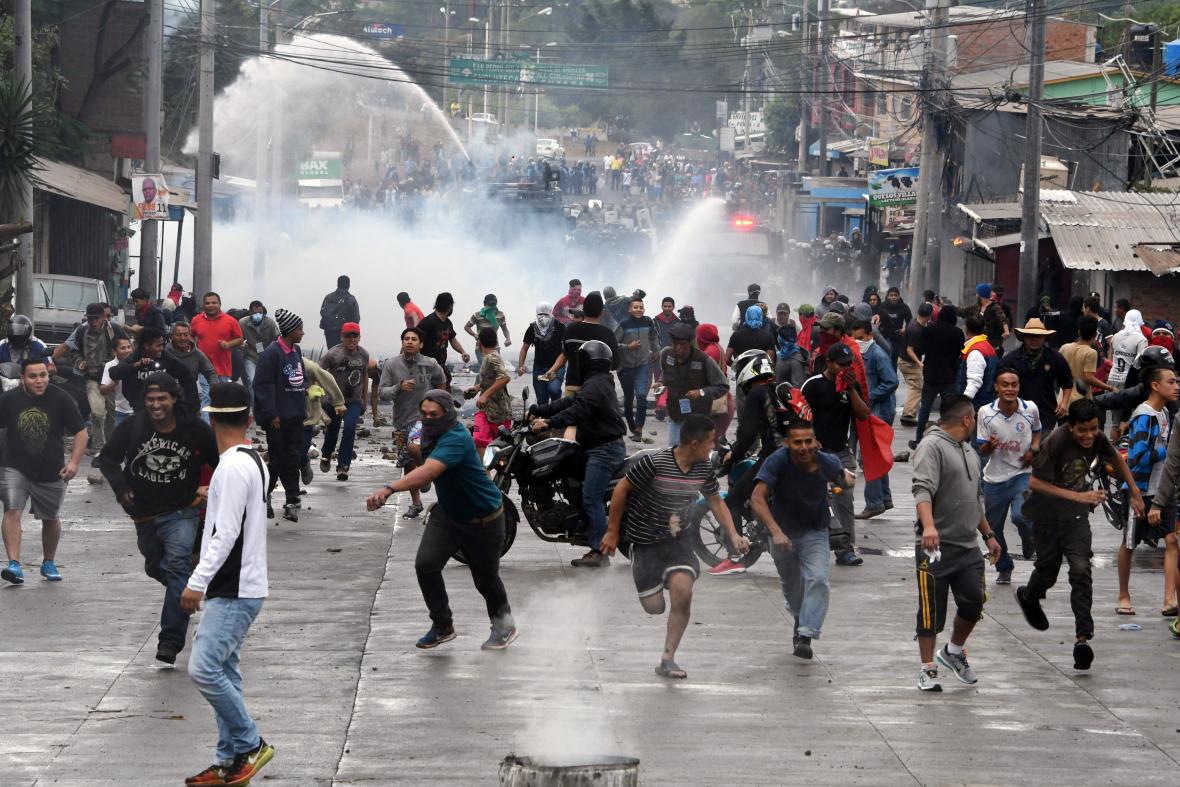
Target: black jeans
481,543
1070,540
331,337
929,393
284,455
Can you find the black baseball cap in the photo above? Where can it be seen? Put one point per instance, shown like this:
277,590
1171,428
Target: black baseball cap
840,353
95,310
162,381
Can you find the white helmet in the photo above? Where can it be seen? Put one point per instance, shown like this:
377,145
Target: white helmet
758,369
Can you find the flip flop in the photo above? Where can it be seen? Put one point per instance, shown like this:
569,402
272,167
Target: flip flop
1170,612
668,669
1128,610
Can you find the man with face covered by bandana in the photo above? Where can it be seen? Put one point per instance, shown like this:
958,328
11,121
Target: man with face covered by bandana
545,335
469,516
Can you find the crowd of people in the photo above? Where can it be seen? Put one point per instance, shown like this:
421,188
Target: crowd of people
1024,414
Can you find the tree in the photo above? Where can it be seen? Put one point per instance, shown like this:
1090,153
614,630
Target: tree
781,117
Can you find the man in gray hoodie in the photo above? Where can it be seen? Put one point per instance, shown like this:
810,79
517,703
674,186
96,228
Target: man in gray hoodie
950,521
182,348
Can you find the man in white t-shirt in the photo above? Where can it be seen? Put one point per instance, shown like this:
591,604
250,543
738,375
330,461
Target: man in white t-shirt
1125,347
114,388
1008,433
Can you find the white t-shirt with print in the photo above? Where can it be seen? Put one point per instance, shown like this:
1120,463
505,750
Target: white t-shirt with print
1014,434
121,403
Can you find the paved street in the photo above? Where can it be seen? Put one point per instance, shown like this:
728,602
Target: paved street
337,686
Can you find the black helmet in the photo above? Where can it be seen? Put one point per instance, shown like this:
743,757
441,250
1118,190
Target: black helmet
20,330
1151,356
594,357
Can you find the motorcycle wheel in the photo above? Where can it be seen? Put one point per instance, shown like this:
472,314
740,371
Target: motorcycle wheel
1115,506
708,540
511,520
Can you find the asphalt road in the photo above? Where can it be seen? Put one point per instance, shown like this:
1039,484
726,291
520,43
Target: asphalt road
337,686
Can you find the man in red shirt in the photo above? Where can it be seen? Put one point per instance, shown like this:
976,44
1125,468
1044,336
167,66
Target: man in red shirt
412,313
217,335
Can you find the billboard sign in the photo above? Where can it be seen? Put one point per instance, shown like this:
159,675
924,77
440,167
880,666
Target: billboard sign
149,197
893,187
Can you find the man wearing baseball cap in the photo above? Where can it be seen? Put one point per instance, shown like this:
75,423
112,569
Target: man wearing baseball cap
348,362
836,397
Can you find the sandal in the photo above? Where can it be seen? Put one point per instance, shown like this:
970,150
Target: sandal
1170,612
1125,610
668,669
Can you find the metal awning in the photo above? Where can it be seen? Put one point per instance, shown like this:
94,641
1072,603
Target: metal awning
992,211
1113,231
76,183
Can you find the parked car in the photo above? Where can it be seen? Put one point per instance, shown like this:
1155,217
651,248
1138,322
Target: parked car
484,117
59,304
549,148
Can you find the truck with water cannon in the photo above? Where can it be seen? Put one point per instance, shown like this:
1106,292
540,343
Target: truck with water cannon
319,180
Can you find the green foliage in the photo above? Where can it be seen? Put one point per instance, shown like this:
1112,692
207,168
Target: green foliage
54,133
781,116
18,165
1165,13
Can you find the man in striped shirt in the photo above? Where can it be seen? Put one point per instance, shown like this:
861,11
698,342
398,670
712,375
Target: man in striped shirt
658,492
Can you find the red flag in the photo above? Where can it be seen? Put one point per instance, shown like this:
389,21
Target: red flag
876,446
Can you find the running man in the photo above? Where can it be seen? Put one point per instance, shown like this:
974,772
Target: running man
657,493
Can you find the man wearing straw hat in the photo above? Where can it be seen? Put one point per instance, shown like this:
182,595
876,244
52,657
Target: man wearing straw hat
1045,378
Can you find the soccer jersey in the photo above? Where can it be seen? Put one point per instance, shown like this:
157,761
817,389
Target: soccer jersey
1014,433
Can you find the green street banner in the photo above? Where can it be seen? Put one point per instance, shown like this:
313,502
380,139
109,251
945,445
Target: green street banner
469,71
318,169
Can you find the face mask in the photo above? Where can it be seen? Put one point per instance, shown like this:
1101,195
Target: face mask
864,345
256,318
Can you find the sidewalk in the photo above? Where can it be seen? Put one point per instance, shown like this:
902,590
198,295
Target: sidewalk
337,686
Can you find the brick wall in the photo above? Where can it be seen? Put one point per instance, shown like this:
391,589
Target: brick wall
990,44
1158,297
117,106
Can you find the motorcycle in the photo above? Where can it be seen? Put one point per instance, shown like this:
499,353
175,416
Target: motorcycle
708,535
1102,477
548,472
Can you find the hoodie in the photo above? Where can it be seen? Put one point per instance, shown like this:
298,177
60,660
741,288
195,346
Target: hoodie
709,342
977,371
946,475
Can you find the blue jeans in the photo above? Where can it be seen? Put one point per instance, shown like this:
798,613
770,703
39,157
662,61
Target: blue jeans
929,392
352,413
803,577
877,493
248,369
548,391
636,382
213,666
203,387
121,417
997,499
673,433
166,544
601,465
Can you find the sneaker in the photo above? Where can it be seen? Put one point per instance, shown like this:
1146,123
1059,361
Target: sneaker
213,775
956,663
166,654
1083,655
1032,610
913,444
325,464
342,472
803,647
928,679
869,513
908,421
592,559
13,573
414,511
500,638
849,558
49,571
727,566
291,512
435,637
306,474
1004,578
246,766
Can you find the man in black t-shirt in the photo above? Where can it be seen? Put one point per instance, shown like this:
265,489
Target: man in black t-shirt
577,334
153,463
1059,504
148,359
909,364
36,416
438,333
546,336
835,397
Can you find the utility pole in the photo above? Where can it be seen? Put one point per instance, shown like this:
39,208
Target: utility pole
926,245
804,78
203,237
149,238
825,82
261,155
1030,214
23,281
746,78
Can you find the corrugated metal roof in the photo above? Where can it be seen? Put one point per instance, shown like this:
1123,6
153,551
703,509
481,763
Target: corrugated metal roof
991,211
82,185
1017,76
1101,231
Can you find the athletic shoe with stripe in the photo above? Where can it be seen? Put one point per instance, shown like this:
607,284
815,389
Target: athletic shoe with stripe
928,678
956,663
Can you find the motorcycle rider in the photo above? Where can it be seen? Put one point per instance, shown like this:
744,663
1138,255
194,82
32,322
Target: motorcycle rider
22,344
759,421
594,410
